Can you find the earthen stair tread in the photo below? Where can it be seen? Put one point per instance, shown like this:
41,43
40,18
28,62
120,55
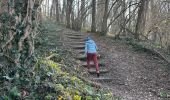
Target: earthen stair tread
78,46
76,40
75,37
74,34
102,70
102,79
77,43
83,57
92,64
81,51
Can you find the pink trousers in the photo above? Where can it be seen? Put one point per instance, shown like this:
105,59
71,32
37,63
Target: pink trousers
90,57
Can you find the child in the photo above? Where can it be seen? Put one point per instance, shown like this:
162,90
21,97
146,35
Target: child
91,52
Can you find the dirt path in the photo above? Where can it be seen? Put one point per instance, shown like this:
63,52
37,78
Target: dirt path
136,75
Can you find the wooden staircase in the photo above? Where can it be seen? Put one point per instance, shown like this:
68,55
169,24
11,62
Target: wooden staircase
77,42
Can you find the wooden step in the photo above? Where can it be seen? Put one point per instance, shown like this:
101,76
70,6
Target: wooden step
105,79
76,40
83,57
81,51
75,34
77,43
84,64
75,37
102,70
78,46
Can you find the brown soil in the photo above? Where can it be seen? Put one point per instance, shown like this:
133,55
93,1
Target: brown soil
136,75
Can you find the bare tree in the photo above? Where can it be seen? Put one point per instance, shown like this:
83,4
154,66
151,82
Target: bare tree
99,14
63,12
93,24
57,11
140,25
68,13
140,19
52,9
82,12
105,17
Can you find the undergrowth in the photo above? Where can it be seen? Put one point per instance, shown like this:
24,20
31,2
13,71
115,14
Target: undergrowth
49,82
137,46
50,79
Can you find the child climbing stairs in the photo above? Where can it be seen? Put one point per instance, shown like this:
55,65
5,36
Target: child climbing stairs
77,42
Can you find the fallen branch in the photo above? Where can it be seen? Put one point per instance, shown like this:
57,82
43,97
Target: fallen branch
51,56
162,56
159,54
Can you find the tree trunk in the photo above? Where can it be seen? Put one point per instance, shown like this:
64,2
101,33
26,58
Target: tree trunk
105,17
18,43
93,24
129,25
123,16
80,15
100,14
115,25
121,20
140,25
63,11
57,11
52,9
68,13
48,8
82,12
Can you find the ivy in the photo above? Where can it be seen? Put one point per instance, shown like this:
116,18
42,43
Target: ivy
14,93
10,3
5,17
19,6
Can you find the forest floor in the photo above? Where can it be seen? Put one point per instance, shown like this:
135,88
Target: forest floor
137,75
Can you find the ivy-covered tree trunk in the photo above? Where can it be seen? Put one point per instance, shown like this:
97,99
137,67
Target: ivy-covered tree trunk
17,25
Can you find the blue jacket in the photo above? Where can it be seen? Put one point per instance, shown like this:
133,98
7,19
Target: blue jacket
90,46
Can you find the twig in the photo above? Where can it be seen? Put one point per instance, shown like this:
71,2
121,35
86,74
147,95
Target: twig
159,54
51,56
120,15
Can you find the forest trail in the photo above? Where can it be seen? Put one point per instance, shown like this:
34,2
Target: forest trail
38,47
134,75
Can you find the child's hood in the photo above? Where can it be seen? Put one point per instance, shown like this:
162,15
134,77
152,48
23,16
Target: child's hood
90,41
